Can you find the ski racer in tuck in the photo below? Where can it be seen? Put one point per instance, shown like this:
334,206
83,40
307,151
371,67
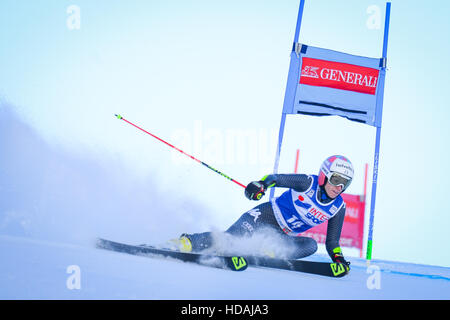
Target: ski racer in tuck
309,201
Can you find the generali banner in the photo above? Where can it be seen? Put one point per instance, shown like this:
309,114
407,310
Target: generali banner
324,82
353,229
343,76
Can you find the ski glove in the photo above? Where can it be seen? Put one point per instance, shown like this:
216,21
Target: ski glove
255,190
339,258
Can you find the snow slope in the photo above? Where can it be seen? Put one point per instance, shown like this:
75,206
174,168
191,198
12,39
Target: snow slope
54,202
38,269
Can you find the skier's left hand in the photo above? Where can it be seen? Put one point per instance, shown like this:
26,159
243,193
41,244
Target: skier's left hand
339,258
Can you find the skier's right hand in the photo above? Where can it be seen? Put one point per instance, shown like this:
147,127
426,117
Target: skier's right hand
255,190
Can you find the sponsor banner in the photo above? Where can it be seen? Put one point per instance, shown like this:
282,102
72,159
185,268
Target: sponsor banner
353,229
344,76
324,82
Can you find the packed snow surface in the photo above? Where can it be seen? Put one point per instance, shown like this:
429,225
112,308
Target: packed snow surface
38,269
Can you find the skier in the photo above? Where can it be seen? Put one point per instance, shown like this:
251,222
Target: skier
309,201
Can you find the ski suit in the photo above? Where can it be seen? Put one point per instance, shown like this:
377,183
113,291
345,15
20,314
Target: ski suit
303,206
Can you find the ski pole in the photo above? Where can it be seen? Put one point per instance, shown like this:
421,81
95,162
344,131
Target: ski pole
172,146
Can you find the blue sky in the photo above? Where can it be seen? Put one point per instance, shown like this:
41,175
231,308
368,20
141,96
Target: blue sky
208,75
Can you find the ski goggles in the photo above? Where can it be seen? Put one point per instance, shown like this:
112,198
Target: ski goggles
337,179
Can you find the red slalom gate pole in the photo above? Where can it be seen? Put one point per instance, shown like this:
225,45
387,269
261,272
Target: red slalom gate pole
296,160
179,150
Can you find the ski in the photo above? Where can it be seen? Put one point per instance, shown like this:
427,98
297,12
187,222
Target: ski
335,270
234,263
